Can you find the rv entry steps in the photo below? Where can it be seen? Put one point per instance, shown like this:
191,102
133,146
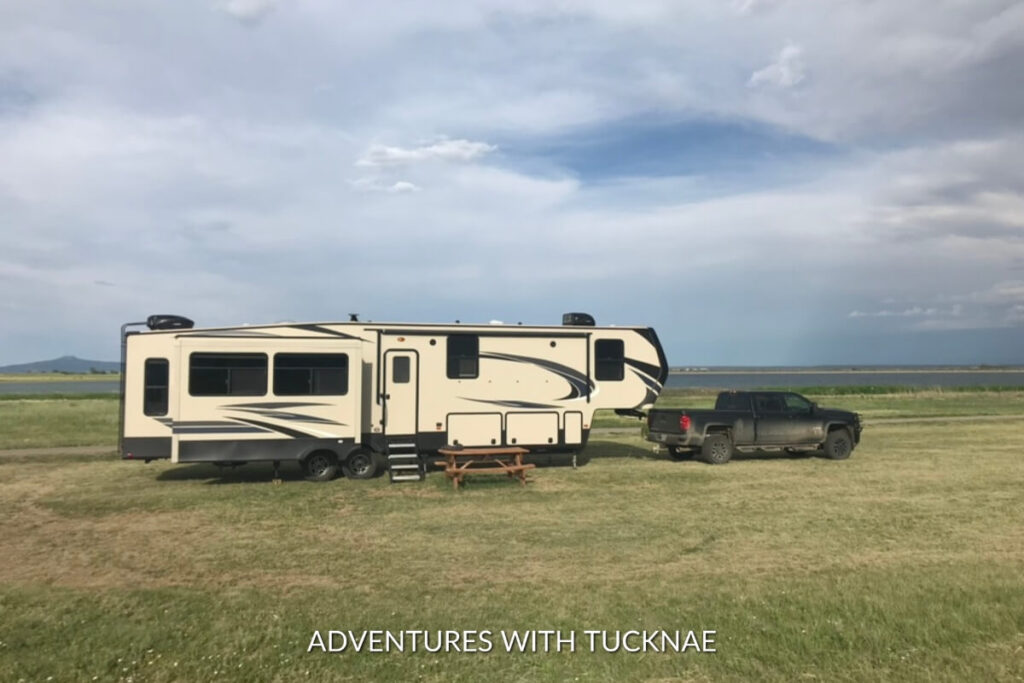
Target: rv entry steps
404,462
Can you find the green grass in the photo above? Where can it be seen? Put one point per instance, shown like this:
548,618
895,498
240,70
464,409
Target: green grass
899,403
60,377
46,421
902,563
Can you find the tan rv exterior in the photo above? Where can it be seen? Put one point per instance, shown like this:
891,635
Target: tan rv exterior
282,392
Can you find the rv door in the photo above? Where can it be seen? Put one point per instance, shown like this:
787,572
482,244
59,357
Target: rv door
401,392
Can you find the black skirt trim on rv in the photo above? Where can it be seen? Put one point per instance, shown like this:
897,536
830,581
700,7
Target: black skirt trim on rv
260,450
146,447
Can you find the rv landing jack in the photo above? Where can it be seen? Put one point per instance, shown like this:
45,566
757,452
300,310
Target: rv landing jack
277,473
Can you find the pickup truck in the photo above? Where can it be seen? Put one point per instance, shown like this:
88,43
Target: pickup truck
754,420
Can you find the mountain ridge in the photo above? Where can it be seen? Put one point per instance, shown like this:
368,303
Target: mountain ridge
68,364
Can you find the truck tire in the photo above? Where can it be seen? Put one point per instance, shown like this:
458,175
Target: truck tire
320,466
717,449
838,445
677,453
361,464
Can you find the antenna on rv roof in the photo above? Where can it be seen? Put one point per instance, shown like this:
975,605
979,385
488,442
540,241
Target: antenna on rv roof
353,317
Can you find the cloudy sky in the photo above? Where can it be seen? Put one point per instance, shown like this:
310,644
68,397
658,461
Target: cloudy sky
763,181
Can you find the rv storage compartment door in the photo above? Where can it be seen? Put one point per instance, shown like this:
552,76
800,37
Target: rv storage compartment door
480,429
573,428
532,428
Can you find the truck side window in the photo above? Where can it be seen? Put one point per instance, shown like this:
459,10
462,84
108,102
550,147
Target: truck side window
310,374
733,402
155,383
463,356
609,359
769,404
797,404
227,374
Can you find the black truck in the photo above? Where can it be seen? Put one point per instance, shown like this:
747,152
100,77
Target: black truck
754,420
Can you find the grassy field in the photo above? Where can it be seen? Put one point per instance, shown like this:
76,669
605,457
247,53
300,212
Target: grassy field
903,563
60,377
91,420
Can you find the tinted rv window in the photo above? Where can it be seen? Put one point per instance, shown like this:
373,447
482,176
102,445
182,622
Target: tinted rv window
227,374
463,356
310,374
400,370
609,359
154,400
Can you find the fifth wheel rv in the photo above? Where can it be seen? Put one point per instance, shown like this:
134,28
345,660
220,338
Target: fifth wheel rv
362,396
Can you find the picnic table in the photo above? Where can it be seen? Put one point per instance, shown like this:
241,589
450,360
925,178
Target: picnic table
460,462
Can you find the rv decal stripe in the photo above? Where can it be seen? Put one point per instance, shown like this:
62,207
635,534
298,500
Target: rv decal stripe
511,404
291,404
651,384
283,430
325,330
235,429
651,371
580,385
298,417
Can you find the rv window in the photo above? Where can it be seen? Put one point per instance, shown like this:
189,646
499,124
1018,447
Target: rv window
227,374
463,356
609,359
310,374
400,370
154,401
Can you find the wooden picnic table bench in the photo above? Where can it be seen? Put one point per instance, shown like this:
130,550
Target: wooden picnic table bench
459,462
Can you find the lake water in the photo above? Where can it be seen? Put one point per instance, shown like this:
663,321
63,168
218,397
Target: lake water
703,380
98,387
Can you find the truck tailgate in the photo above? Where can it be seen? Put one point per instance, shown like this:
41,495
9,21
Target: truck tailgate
665,421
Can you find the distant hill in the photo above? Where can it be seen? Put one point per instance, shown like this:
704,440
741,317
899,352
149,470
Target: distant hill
69,364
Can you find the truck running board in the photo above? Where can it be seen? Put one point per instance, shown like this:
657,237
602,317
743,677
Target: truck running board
404,462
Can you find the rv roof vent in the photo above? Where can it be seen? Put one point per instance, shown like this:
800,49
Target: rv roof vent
578,319
168,322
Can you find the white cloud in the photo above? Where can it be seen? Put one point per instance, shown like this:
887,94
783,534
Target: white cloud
248,11
168,152
786,71
378,185
443,150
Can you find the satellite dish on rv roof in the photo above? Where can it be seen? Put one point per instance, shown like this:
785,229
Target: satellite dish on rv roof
169,322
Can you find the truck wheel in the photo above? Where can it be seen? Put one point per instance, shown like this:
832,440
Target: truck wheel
361,464
320,466
677,453
838,445
717,449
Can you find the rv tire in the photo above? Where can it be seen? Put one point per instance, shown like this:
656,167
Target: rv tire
361,464
320,466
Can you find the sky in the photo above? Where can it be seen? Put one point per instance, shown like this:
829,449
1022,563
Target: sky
765,182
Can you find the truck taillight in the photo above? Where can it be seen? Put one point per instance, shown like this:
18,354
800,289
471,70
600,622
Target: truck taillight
684,423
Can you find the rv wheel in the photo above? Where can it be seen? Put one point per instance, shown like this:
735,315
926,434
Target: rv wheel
320,466
360,465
